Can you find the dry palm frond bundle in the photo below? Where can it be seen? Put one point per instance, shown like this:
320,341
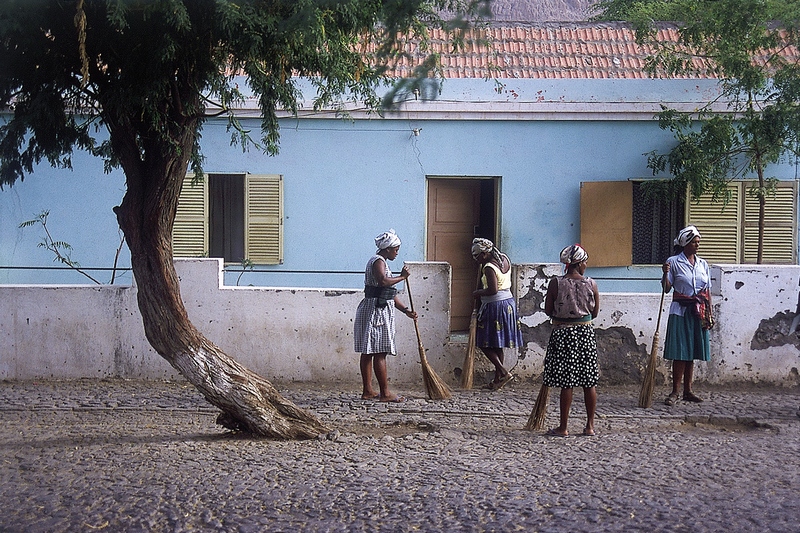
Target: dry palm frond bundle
468,368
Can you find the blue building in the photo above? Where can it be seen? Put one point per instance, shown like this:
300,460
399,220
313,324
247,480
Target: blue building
537,144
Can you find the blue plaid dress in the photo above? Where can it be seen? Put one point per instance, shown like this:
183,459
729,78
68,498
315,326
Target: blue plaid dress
373,330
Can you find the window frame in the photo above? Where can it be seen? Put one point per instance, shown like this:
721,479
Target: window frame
262,212
729,234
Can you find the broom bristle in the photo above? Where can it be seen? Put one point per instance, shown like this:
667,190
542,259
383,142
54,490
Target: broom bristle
539,412
648,383
435,387
468,369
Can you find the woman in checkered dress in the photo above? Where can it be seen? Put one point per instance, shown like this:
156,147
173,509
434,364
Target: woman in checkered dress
373,331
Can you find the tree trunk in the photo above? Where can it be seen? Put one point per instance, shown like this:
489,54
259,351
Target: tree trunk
154,175
762,207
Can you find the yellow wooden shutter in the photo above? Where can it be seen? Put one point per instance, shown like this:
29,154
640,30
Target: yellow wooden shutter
264,219
719,225
607,222
780,221
190,231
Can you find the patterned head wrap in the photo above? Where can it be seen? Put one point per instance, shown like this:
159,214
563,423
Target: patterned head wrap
387,239
574,254
480,245
685,236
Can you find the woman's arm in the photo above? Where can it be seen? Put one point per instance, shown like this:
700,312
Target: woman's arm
708,274
379,272
665,284
550,298
596,310
491,283
403,309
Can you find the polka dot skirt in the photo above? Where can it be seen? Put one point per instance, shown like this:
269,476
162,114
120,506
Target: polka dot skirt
571,359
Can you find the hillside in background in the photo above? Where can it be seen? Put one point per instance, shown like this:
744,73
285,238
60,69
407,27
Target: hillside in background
542,10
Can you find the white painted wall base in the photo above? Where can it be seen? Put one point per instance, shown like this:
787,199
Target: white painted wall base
305,335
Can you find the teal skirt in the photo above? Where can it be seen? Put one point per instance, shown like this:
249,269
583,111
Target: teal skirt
686,339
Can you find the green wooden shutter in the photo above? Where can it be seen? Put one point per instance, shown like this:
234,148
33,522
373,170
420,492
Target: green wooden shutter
730,235
264,219
719,225
190,231
780,221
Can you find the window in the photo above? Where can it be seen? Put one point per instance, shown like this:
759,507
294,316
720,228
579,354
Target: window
232,216
656,221
621,226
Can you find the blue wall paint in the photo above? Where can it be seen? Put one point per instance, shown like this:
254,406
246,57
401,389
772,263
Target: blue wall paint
80,202
345,182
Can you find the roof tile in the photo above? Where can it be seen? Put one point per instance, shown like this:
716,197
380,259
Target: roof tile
551,50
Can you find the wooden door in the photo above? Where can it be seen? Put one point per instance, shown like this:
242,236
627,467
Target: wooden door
453,219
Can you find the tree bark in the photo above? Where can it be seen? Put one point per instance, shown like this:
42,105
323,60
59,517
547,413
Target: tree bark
762,207
154,173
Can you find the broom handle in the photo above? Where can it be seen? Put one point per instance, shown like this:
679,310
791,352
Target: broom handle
660,308
411,305
476,301
410,300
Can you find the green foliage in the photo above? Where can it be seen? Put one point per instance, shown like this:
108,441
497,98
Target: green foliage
749,46
247,264
151,71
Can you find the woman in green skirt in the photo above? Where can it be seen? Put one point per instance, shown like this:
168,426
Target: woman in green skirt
690,319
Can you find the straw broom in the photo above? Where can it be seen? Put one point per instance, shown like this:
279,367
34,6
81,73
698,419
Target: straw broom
646,394
434,386
539,412
536,420
468,368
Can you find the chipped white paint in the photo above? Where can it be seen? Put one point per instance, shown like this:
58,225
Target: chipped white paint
305,335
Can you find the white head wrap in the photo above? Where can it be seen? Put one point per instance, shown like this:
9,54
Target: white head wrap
573,254
387,239
685,236
485,245
481,245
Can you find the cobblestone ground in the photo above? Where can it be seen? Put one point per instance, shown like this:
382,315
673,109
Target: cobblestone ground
147,456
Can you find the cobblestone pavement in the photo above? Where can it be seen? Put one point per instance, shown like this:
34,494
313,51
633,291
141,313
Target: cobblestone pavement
147,456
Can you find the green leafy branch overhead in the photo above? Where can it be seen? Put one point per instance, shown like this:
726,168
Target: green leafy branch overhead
752,48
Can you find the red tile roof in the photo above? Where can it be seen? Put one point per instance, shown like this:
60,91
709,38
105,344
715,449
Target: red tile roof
543,50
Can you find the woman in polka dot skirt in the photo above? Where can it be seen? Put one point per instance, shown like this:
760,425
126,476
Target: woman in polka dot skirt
572,302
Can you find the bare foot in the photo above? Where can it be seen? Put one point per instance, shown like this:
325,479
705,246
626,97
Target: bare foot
392,399
370,396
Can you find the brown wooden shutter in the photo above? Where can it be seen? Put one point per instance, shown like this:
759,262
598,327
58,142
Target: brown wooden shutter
607,222
730,234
